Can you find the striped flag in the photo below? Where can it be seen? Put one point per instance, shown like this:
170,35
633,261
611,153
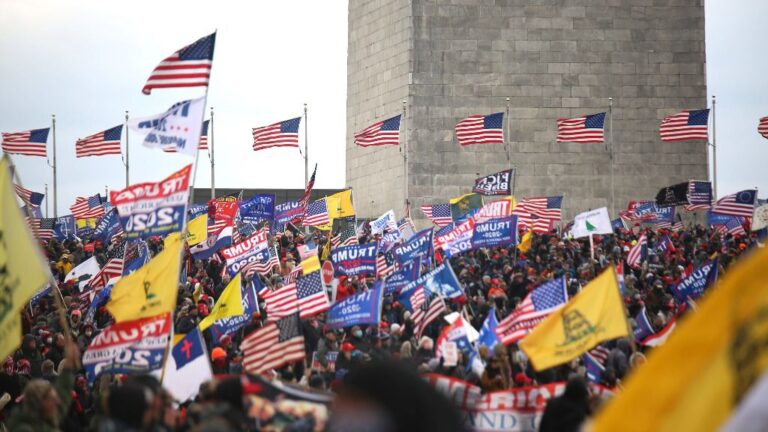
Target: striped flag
426,308
29,143
638,252
600,353
762,128
308,191
281,134
112,269
737,204
29,197
537,305
187,67
311,295
542,207
439,214
262,267
317,214
585,129
381,133
274,345
85,208
699,195
385,264
685,126
281,302
42,228
481,129
735,226
203,145
100,144
348,236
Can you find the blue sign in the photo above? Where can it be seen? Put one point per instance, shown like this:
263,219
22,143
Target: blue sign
359,309
258,208
288,211
354,260
441,281
495,232
65,227
694,285
488,335
714,219
420,245
408,273
107,227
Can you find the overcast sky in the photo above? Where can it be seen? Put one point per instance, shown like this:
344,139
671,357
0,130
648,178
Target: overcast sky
87,61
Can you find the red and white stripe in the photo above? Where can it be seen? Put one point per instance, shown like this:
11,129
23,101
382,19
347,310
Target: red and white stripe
636,253
270,136
263,350
575,130
472,130
382,269
374,136
728,205
762,127
281,302
659,338
23,193
97,145
537,206
422,318
600,353
112,269
175,72
80,209
676,128
19,143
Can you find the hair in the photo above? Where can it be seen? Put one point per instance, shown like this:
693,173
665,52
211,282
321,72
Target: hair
128,404
406,350
34,393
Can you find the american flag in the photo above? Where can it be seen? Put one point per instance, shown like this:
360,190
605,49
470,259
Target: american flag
685,126
30,143
637,253
187,67
262,267
481,129
543,207
406,227
29,197
308,190
100,144
281,134
203,145
281,302
699,195
311,294
348,237
385,132
542,225
586,129
317,214
426,308
593,368
112,269
735,226
737,204
762,128
385,264
537,305
42,228
336,241
274,345
85,208
293,276
600,353
439,214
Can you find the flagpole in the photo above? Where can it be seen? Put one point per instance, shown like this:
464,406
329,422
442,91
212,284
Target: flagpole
55,183
127,146
46,200
509,137
611,154
714,150
306,146
405,153
210,145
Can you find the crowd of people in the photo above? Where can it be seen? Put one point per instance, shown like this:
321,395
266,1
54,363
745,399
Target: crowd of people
44,388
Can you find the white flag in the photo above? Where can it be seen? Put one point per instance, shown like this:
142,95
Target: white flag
83,273
387,220
177,128
592,222
760,217
187,367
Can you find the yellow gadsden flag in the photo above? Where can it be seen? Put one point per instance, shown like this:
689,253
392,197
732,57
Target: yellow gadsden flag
344,206
230,304
708,365
594,315
22,269
197,230
151,290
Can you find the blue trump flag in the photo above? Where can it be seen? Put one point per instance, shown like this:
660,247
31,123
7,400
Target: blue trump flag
495,232
107,227
440,281
258,208
594,368
719,219
65,228
643,327
136,254
420,245
488,335
354,259
408,273
359,309
250,306
694,285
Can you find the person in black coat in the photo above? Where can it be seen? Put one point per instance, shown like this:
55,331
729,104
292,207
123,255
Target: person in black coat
567,412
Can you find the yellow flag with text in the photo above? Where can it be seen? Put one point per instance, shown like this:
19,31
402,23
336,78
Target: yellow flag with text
594,315
197,230
229,304
22,268
152,289
707,366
